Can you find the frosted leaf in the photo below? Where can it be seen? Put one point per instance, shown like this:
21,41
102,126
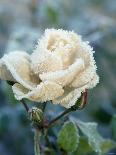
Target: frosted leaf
89,129
94,138
68,137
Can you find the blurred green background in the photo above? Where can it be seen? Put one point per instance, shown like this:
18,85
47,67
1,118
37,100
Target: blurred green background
21,23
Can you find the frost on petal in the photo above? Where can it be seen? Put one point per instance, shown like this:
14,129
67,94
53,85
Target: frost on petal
85,51
84,77
19,91
92,83
5,73
59,42
69,97
53,39
64,77
45,62
18,64
44,92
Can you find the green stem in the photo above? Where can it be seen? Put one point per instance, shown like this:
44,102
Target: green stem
25,105
36,142
58,117
78,106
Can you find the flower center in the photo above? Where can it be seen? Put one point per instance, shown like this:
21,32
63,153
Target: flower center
56,42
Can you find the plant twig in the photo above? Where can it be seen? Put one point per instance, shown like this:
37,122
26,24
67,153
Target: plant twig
25,105
78,106
58,117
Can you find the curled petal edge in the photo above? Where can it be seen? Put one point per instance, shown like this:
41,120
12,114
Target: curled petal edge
45,91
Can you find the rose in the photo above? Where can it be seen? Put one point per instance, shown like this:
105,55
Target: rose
61,67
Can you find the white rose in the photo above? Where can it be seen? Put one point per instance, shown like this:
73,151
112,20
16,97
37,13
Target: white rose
60,69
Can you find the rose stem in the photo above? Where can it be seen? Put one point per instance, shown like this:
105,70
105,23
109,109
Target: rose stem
71,109
36,142
25,105
58,117
37,134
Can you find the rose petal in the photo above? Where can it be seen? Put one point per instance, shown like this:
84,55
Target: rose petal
44,92
18,64
19,91
59,42
64,77
69,98
85,51
5,73
45,62
92,83
71,95
84,77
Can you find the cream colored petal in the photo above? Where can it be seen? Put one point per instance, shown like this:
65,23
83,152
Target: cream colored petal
85,51
19,91
52,37
64,77
60,42
18,64
5,73
69,97
92,83
46,91
84,77
45,62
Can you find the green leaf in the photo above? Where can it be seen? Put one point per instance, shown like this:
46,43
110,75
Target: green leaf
84,148
90,131
107,145
95,140
68,137
113,126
